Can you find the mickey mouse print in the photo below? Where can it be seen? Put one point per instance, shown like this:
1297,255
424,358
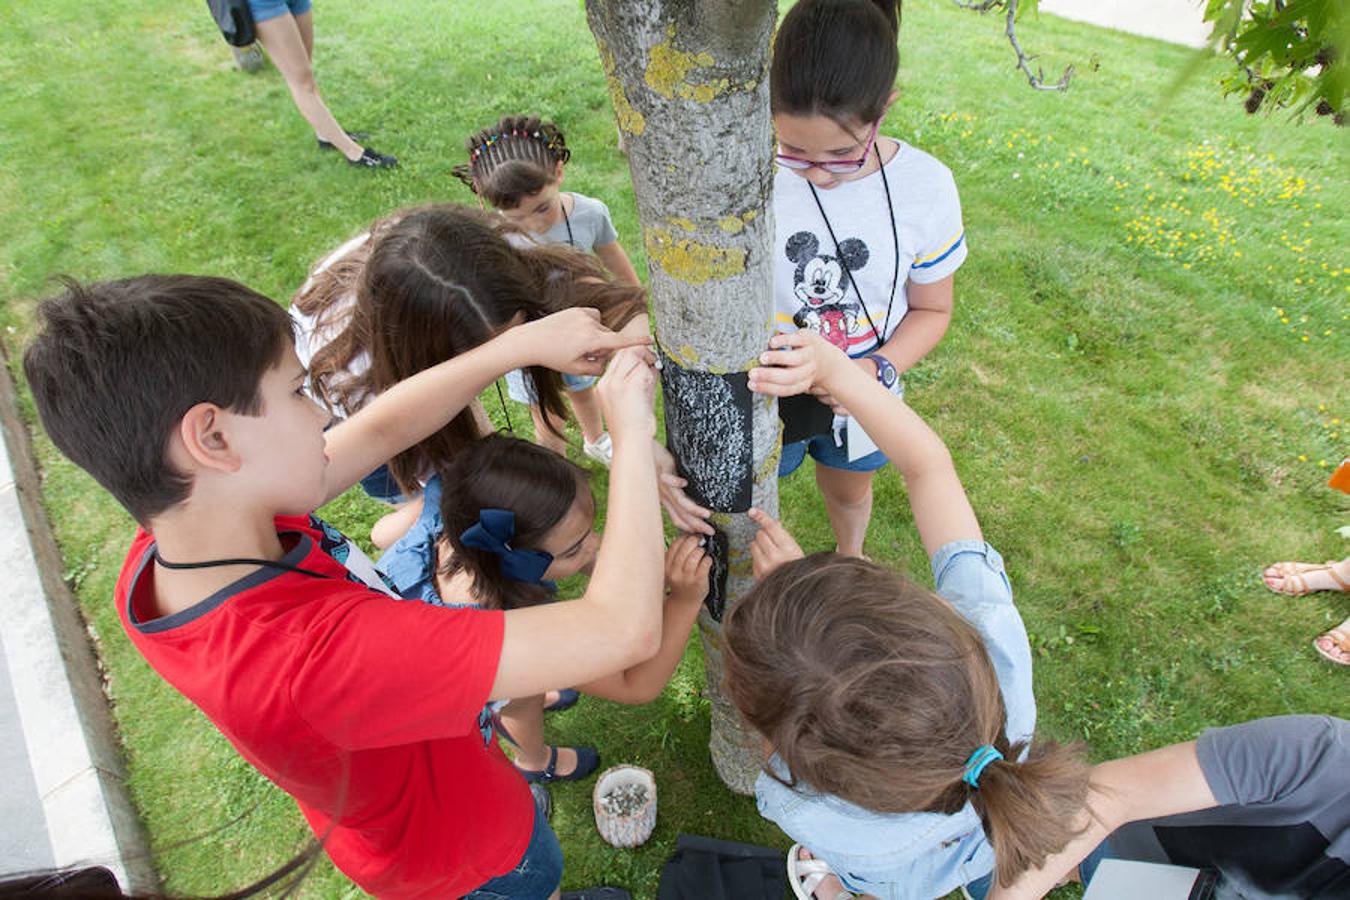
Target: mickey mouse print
842,266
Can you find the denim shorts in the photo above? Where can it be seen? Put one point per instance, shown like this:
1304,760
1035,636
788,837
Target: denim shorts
270,9
381,485
828,454
520,387
538,874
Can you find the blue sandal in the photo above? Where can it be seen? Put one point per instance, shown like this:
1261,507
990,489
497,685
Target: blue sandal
567,698
588,760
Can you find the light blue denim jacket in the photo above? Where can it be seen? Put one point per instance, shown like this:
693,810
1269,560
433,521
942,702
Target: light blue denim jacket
896,856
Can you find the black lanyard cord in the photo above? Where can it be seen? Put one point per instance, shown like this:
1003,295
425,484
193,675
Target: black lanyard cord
241,561
895,241
567,220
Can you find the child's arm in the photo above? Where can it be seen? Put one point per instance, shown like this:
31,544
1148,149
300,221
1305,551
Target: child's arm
687,568
803,361
1160,783
617,622
616,260
571,341
930,312
389,528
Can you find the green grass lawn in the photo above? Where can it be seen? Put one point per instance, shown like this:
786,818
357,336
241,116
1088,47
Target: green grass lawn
1144,384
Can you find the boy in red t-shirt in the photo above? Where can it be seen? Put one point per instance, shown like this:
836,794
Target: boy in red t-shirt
183,397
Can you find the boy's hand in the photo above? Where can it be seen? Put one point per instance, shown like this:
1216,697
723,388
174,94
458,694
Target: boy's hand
684,513
626,393
772,545
797,363
687,568
573,341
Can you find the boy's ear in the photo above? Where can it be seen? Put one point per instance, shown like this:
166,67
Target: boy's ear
204,438
890,99
558,172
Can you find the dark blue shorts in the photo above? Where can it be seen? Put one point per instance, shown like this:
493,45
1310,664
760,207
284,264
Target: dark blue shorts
538,874
824,451
270,9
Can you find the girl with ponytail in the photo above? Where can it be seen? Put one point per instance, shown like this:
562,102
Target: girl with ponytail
898,722
868,230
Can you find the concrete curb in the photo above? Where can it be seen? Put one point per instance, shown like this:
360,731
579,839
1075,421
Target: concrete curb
71,740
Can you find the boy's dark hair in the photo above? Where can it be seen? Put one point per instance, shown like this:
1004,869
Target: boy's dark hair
836,58
436,282
117,365
509,161
876,690
500,472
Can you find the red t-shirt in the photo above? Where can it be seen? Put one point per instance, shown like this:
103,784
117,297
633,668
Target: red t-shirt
366,709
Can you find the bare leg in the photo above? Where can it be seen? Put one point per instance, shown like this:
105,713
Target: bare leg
524,719
542,436
305,22
848,500
282,39
587,408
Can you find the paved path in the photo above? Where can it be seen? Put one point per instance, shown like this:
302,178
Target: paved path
62,798
1176,21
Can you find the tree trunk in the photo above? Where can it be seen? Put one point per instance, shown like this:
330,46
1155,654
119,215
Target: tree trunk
690,86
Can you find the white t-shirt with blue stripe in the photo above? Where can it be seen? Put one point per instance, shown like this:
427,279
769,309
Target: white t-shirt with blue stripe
812,276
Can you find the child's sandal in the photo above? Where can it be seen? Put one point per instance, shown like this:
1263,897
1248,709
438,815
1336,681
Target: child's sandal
588,760
805,875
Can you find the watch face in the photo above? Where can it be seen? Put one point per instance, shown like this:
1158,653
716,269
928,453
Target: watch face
888,377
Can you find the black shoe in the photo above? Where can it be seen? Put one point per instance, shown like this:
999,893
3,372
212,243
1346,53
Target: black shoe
357,136
371,159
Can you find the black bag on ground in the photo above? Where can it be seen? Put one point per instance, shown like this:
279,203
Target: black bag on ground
234,20
709,869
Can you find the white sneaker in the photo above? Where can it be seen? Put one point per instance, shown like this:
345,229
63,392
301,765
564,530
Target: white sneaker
602,450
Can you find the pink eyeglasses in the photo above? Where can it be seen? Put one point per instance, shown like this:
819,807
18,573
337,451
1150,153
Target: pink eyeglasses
833,166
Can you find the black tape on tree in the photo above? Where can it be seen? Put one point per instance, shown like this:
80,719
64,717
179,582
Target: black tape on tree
709,429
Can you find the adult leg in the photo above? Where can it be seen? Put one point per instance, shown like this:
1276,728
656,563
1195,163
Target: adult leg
543,436
281,38
305,22
1296,579
848,500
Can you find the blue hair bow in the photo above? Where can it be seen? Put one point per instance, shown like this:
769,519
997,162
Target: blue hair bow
494,532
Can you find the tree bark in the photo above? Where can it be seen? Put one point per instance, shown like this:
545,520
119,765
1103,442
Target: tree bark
690,87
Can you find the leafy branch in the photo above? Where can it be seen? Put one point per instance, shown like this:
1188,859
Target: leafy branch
1289,53
1012,10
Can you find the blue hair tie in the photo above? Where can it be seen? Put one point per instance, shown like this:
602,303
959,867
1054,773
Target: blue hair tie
978,762
494,532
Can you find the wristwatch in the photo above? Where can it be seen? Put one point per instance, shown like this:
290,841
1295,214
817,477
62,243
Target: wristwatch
886,373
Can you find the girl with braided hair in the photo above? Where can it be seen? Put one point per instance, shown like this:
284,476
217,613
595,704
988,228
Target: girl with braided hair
516,167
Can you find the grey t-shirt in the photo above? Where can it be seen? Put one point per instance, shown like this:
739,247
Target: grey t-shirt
1282,828
589,222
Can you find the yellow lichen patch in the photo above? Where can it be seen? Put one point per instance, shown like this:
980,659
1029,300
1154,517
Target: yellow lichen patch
682,222
689,354
736,224
769,470
668,72
630,121
721,520
691,261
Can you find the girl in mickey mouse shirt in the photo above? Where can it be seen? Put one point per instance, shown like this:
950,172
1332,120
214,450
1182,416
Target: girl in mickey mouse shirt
869,231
